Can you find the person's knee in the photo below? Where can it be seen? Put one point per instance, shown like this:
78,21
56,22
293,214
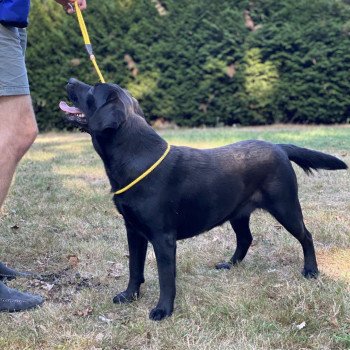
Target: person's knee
25,134
18,127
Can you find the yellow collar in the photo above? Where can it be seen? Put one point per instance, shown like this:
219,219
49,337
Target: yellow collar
142,176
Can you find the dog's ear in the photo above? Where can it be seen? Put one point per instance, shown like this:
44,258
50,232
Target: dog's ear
108,116
137,109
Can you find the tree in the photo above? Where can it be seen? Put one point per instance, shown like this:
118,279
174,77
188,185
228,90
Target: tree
198,62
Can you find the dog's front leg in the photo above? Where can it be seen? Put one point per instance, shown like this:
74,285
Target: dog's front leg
137,255
165,249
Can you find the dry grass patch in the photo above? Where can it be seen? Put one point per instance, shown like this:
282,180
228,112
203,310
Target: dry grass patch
335,263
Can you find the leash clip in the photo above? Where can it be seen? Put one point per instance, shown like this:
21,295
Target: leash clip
87,42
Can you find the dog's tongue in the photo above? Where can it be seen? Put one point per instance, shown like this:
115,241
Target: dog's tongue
68,109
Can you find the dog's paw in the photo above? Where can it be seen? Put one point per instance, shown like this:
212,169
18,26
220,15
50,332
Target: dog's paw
159,313
223,266
125,297
310,273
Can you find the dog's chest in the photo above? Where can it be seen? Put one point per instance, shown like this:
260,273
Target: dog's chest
133,218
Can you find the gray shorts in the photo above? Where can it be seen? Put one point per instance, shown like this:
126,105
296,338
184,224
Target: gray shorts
13,72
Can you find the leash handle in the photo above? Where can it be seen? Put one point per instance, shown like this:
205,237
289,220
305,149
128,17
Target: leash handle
87,42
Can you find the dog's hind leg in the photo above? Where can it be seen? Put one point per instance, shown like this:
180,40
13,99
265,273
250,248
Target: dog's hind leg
137,255
244,240
289,214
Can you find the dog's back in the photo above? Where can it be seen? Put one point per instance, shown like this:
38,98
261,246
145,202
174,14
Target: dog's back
208,187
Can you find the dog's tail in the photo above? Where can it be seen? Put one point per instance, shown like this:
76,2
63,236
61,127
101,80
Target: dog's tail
308,159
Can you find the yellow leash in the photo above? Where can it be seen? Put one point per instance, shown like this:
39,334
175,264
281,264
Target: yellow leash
88,47
87,42
148,171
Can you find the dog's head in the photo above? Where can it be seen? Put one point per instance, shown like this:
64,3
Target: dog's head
98,108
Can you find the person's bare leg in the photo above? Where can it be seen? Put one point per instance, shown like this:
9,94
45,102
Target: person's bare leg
18,131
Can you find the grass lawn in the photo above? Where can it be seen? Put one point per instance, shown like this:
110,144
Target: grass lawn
59,220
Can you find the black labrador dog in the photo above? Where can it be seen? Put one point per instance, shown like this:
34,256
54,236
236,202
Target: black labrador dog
191,190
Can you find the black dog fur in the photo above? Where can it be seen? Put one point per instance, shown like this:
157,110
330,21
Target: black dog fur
192,190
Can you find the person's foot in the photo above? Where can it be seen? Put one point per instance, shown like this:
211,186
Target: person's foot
10,274
12,300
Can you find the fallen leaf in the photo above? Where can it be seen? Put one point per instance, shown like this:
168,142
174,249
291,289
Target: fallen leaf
272,295
104,319
334,322
48,286
73,260
301,325
115,270
84,313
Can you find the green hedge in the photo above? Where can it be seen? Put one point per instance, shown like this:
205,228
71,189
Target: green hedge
199,64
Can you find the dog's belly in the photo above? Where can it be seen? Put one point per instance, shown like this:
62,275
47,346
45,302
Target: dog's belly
197,216
191,231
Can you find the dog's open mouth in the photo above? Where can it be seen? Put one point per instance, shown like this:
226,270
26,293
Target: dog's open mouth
73,114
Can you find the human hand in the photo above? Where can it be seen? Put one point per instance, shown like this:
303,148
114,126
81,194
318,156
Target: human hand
68,5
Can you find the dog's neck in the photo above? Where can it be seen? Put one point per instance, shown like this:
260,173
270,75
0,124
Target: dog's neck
129,151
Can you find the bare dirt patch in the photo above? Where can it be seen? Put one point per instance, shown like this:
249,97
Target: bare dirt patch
335,263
